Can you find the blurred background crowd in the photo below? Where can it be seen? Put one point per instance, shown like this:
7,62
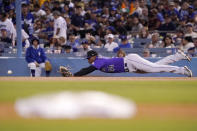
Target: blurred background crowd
77,26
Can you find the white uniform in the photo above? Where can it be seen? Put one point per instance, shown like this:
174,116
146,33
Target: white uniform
136,63
62,25
38,70
111,46
8,25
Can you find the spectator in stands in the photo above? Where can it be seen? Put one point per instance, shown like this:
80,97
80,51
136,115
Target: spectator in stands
100,18
155,19
137,26
113,15
110,44
77,20
4,38
189,30
124,43
66,10
121,53
183,12
38,28
195,24
120,28
98,44
144,16
85,47
7,25
146,53
38,12
155,41
177,37
60,26
193,50
56,6
73,42
138,9
187,43
67,49
27,20
49,15
47,32
168,42
167,26
181,25
172,10
144,34
25,39
129,23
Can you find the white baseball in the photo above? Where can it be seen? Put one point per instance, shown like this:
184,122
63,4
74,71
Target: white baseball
9,71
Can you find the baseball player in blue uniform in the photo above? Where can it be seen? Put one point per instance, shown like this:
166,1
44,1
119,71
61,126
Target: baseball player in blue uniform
130,63
36,58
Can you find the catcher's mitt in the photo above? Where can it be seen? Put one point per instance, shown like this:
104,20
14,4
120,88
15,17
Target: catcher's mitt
65,71
48,66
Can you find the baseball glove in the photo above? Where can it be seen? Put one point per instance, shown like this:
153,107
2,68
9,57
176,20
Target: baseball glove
48,66
65,71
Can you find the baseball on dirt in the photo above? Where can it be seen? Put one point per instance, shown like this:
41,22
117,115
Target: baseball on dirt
9,71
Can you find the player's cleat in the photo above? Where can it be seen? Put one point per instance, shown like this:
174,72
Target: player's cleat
184,55
187,71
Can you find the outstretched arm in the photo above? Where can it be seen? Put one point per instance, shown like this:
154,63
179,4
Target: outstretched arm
85,71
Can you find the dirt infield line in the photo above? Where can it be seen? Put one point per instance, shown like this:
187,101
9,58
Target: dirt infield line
97,78
179,111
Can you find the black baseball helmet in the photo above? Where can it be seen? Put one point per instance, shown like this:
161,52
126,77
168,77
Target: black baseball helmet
91,53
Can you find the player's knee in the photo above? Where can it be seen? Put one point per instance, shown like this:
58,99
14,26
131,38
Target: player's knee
42,65
32,66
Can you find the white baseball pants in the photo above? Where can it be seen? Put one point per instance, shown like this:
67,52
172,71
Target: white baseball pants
170,59
135,63
38,70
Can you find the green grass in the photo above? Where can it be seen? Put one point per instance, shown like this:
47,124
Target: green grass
139,91
99,125
153,92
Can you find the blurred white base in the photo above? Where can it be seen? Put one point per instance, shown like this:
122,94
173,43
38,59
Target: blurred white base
72,105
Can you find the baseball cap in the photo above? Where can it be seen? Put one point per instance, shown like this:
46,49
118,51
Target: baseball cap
123,37
110,36
189,24
113,9
91,53
111,28
57,13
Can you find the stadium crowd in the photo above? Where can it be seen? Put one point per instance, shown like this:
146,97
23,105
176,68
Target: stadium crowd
66,26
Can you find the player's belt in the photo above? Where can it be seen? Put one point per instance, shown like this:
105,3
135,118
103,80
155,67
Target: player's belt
126,69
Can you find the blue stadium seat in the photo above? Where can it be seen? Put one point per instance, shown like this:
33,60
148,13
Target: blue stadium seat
140,43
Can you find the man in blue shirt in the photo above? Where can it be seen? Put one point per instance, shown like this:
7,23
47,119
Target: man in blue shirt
124,44
36,58
27,20
130,63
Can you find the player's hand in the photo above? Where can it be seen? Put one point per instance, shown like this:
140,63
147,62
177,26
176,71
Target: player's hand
37,65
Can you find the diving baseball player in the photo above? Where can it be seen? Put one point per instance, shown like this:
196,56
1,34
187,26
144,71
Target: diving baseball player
36,59
133,63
